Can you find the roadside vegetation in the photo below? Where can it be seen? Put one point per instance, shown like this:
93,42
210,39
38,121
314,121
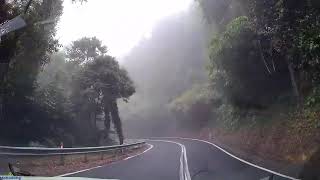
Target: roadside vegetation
245,72
51,95
263,89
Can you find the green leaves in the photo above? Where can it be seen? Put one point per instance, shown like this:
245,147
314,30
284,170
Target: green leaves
275,35
197,95
99,82
25,52
234,60
105,75
86,49
236,27
70,93
314,98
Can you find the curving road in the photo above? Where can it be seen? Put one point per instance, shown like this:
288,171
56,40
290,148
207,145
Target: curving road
178,159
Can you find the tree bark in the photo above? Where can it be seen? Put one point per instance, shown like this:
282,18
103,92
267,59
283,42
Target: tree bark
107,118
95,120
293,81
116,120
3,78
262,57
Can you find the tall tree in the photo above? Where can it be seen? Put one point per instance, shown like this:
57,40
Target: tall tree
25,51
101,79
109,82
237,68
289,30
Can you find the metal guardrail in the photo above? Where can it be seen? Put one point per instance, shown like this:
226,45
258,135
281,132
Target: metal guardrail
33,157
25,151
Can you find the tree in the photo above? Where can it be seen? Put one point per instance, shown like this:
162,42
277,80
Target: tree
290,29
237,69
52,102
104,76
25,52
286,33
100,81
85,49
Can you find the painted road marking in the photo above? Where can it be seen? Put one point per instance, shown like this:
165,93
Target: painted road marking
233,156
184,173
67,174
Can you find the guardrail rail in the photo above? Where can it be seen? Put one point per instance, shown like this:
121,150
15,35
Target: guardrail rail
28,157
26,151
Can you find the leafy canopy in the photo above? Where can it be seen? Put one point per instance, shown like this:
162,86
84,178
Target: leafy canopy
86,49
105,75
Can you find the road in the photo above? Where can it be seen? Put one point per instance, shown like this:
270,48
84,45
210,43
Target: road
164,161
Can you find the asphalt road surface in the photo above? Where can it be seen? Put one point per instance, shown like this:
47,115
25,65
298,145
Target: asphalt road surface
165,161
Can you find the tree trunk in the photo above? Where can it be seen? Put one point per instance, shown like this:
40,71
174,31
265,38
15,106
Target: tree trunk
3,78
293,81
91,116
262,57
107,118
116,120
95,121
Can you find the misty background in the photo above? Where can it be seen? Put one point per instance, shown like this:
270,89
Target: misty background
170,62
245,72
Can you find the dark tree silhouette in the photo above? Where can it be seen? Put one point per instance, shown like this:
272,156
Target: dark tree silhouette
102,75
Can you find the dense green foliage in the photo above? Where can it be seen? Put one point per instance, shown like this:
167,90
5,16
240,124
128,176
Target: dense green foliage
53,97
77,89
262,54
86,50
23,52
193,104
100,83
237,68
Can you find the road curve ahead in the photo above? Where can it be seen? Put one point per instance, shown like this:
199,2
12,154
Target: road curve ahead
161,162
178,159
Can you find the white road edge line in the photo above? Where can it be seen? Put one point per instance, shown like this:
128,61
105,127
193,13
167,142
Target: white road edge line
184,173
233,156
67,174
150,147
186,164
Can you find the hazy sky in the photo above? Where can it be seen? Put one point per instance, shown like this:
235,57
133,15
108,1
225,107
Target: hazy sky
120,24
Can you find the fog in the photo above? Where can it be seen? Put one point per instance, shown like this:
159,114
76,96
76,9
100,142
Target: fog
234,68
162,67
119,24
66,90
96,73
